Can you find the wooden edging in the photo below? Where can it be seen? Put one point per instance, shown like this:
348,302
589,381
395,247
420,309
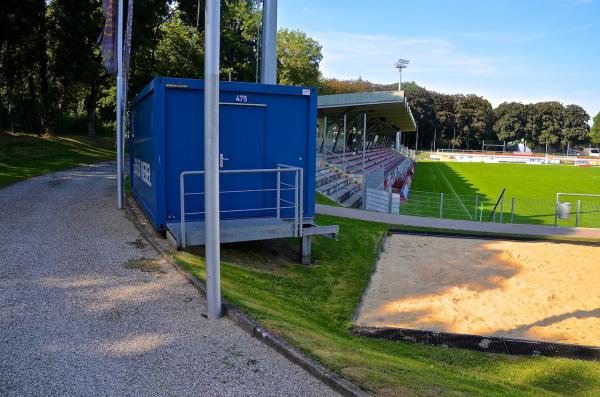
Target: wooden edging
246,323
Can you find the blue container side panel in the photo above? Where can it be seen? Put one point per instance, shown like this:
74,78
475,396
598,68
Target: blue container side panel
260,126
184,130
142,152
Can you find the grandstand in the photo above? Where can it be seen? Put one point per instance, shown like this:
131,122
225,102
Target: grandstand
359,142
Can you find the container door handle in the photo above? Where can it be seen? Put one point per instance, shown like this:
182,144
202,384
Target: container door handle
222,159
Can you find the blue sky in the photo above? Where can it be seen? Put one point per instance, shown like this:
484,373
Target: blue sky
504,50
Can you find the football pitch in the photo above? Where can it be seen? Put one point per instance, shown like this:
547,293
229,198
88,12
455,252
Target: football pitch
471,190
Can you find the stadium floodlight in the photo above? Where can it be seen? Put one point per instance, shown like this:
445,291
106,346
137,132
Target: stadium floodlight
401,64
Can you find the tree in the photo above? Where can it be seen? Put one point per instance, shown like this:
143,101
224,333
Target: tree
240,28
298,58
475,118
510,121
550,122
335,86
422,105
445,109
575,128
595,131
180,50
23,62
76,63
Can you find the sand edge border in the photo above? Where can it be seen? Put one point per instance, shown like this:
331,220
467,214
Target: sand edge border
486,344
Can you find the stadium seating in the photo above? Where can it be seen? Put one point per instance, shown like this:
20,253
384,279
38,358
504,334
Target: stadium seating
335,174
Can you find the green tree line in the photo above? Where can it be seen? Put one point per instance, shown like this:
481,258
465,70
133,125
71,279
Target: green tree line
465,121
52,76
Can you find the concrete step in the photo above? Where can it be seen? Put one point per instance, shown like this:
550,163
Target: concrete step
327,178
354,201
343,194
334,186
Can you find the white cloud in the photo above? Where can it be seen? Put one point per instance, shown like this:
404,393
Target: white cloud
347,55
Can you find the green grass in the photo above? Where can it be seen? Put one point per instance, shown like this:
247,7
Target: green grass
24,156
312,307
533,187
322,199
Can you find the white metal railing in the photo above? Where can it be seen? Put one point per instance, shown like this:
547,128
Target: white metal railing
297,188
345,162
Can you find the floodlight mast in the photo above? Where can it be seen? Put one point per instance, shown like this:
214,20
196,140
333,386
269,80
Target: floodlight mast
401,64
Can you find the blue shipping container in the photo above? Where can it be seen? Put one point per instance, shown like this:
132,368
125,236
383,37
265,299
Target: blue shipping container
261,126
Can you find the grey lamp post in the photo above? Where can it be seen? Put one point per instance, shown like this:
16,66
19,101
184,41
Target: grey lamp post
401,64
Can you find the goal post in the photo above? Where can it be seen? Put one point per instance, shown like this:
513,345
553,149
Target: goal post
493,145
563,209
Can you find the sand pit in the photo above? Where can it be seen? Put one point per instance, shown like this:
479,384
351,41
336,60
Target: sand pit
515,289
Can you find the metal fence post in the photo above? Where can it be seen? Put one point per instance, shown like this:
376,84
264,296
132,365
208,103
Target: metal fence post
512,211
278,193
502,210
578,213
441,205
296,204
476,203
556,210
182,207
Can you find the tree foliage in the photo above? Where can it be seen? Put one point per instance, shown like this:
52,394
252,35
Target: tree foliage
52,77
51,71
298,58
595,131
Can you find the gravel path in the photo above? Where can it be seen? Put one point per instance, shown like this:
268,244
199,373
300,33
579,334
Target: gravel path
81,315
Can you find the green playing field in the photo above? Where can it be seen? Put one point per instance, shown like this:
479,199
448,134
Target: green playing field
470,191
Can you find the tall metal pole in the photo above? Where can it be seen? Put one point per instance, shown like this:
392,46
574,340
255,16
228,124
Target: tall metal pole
417,139
344,150
400,80
364,143
454,139
212,29
434,137
268,66
120,157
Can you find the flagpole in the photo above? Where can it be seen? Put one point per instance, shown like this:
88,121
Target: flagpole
212,29
120,152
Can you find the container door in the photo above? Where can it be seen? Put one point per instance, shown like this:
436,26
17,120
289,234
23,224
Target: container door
242,145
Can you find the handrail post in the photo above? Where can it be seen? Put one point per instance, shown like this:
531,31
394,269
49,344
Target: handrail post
441,205
578,212
476,202
296,204
182,207
301,212
278,193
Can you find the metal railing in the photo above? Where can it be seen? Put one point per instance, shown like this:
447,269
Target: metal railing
297,188
345,162
585,210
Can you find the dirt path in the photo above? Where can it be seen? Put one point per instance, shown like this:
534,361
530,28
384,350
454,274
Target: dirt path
86,310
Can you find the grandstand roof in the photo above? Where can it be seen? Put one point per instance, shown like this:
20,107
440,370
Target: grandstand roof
390,106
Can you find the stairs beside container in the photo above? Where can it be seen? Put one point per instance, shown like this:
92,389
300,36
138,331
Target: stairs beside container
338,186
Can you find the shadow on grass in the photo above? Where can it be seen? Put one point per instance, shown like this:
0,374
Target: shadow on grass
23,156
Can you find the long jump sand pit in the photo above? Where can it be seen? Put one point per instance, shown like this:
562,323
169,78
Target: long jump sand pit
529,290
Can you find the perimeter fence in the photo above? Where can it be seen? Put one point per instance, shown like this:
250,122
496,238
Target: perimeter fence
584,212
